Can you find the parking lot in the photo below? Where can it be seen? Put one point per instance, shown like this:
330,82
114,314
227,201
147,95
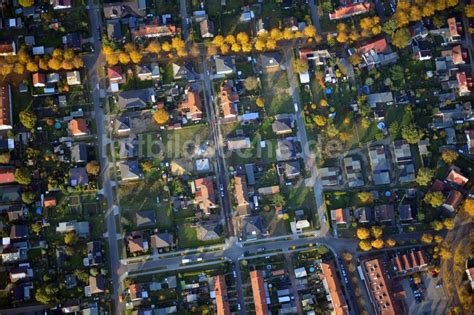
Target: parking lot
434,300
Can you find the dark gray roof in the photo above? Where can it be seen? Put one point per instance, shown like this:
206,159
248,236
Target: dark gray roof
161,240
135,98
269,60
144,218
79,152
252,225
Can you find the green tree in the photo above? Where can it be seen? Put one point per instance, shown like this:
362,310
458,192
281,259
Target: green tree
401,37
437,225
300,66
70,238
394,128
278,200
449,156
93,168
28,119
82,275
434,198
22,176
365,197
376,231
177,187
251,83
28,197
26,3
36,227
390,26
41,296
424,176
412,134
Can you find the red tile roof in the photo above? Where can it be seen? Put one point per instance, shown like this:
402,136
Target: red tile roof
7,175
464,83
222,302
334,286
156,31
49,202
453,27
377,45
115,73
258,290
456,178
192,104
240,187
350,10
7,48
78,127
5,106
205,194
228,98
39,79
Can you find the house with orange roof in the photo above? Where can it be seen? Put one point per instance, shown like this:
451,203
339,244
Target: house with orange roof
49,201
258,291
191,107
7,48
7,175
340,216
464,84
229,98
115,74
407,263
6,119
155,31
241,195
457,54
350,10
375,51
136,292
39,80
78,127
222,301
455,177
204,194
455,29
332,285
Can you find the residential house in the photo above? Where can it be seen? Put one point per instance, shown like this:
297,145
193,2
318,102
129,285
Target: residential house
340,216
96,285
73,41
22,273
319,57
122,10
114,30
39,80
202,165
18,232
457,54
191,107
350,10
455,30
286,149
73,78
333,288
376,52
94,253
283,126
122,125
128,147
455,177
61,4
453,201
251,227
259,292
7,174
115,74
384,213
161,240
133,99
81,228
155,31
241,195
363,214
220,290
207,29
183,72
49,201
464,84
330,176
384,98
354,175
379,165
208,231
7,48
229,99
15,213
130,170
405,212
204,194
470,140
224,65
136,292
79,153
407,263
292,169
78,127
270,62
470,276
78,176
238,143
136,243
52,78
270,190
418,31
145,218
148,71
6,119
404,161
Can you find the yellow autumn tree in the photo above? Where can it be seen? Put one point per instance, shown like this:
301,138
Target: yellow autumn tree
377,243
18,68
67,65
468,207
260,102
55,64
166,46
271,44
427,238
320,120
288,34
365,245
218,40
363,233
390,242
276,34
124,58
154,47
309,31
224,48
260,45
236,47
242,37
177,43
135,56
31,66
161,116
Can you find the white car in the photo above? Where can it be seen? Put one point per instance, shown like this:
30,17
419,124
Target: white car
296,107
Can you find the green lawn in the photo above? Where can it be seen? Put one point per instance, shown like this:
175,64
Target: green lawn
183,142
187,238
276,96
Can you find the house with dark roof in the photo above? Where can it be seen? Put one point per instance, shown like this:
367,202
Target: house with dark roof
353,168
404,161
133,99
94,253
72,41
19,232
130,170
208,231
78,176
161,240
148,71
270,62
61,4
224,65
128,147
292,169
283,126
122,10
453,201
405,212
207,28
79,152
16,213
96,285
379,165
384,213
251,227
184,72
114,30
363,214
